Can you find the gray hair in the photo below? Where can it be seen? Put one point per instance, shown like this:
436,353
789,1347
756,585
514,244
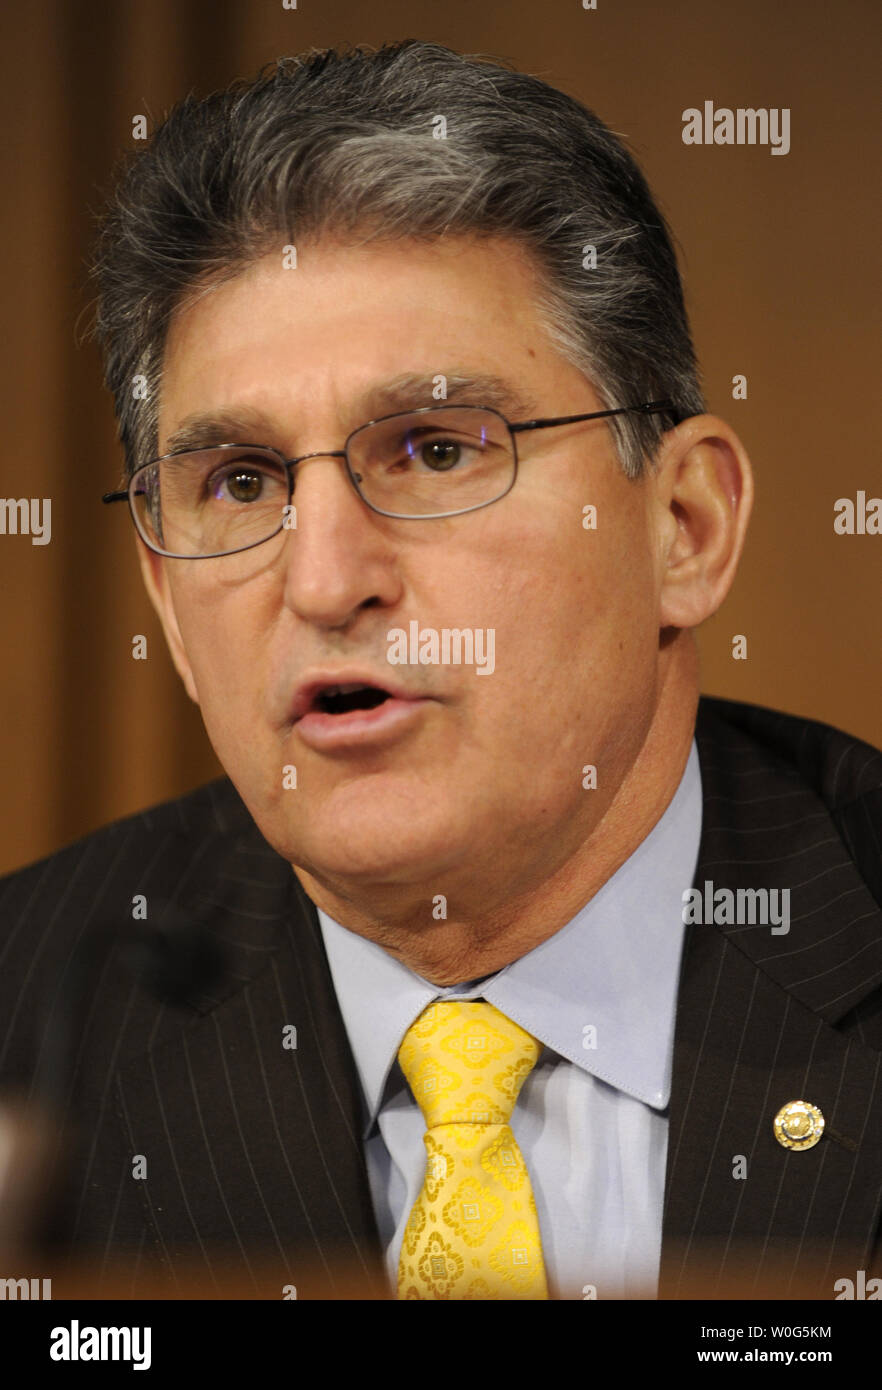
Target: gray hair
344,142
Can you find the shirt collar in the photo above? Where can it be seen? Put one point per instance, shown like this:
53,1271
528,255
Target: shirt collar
601,991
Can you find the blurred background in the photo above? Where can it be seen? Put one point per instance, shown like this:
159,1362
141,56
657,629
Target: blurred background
780,260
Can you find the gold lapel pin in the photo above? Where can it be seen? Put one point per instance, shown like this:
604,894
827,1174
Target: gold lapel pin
798,1125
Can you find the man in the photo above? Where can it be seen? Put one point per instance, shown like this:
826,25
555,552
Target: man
502,966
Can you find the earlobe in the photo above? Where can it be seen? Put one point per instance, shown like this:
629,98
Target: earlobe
705,491
155,579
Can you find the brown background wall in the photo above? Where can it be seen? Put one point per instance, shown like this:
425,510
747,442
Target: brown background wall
780,255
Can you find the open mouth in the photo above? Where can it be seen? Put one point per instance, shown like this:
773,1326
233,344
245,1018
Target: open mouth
343,699
345,715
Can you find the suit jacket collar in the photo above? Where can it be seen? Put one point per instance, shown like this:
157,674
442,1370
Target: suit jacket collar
765,826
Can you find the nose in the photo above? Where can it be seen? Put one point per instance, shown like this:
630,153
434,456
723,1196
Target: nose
340,556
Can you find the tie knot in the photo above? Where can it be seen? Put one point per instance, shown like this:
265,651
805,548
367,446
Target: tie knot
466,1062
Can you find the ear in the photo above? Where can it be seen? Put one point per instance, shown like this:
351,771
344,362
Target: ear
703,499
155,575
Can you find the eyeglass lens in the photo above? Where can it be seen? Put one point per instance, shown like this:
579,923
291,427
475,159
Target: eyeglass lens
214,501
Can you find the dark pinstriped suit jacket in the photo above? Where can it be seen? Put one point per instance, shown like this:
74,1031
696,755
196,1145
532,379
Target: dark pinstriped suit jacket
253,1150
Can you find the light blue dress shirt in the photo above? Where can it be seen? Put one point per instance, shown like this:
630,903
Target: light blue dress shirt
591,1118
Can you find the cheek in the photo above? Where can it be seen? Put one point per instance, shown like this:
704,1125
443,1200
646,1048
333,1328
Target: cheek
578,646
565,592
221,631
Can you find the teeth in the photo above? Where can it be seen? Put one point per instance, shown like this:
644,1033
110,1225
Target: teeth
344,689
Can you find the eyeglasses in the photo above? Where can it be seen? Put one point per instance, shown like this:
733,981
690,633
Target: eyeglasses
442,460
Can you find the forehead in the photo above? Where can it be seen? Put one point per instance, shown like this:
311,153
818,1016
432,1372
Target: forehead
361,331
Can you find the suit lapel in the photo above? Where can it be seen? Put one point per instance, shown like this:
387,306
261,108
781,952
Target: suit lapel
249,1120
755,1030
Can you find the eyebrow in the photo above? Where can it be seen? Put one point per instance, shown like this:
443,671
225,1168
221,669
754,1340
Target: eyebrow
249,425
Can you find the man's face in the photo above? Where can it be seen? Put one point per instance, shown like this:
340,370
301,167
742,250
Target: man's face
480,779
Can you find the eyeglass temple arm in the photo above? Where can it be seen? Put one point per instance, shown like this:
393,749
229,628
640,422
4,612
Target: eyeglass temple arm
115,497
652,408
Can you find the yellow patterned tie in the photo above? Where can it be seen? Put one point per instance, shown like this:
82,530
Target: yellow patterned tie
473,1231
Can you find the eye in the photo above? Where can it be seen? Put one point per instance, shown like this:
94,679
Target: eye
441,454
438,453
239,484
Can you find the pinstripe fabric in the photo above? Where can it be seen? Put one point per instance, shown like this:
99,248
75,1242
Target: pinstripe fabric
253,1151
765,1019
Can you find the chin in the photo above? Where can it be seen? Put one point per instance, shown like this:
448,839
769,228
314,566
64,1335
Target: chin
383,852
382,857
377,828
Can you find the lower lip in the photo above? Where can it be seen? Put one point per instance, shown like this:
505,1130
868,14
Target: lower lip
360,727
